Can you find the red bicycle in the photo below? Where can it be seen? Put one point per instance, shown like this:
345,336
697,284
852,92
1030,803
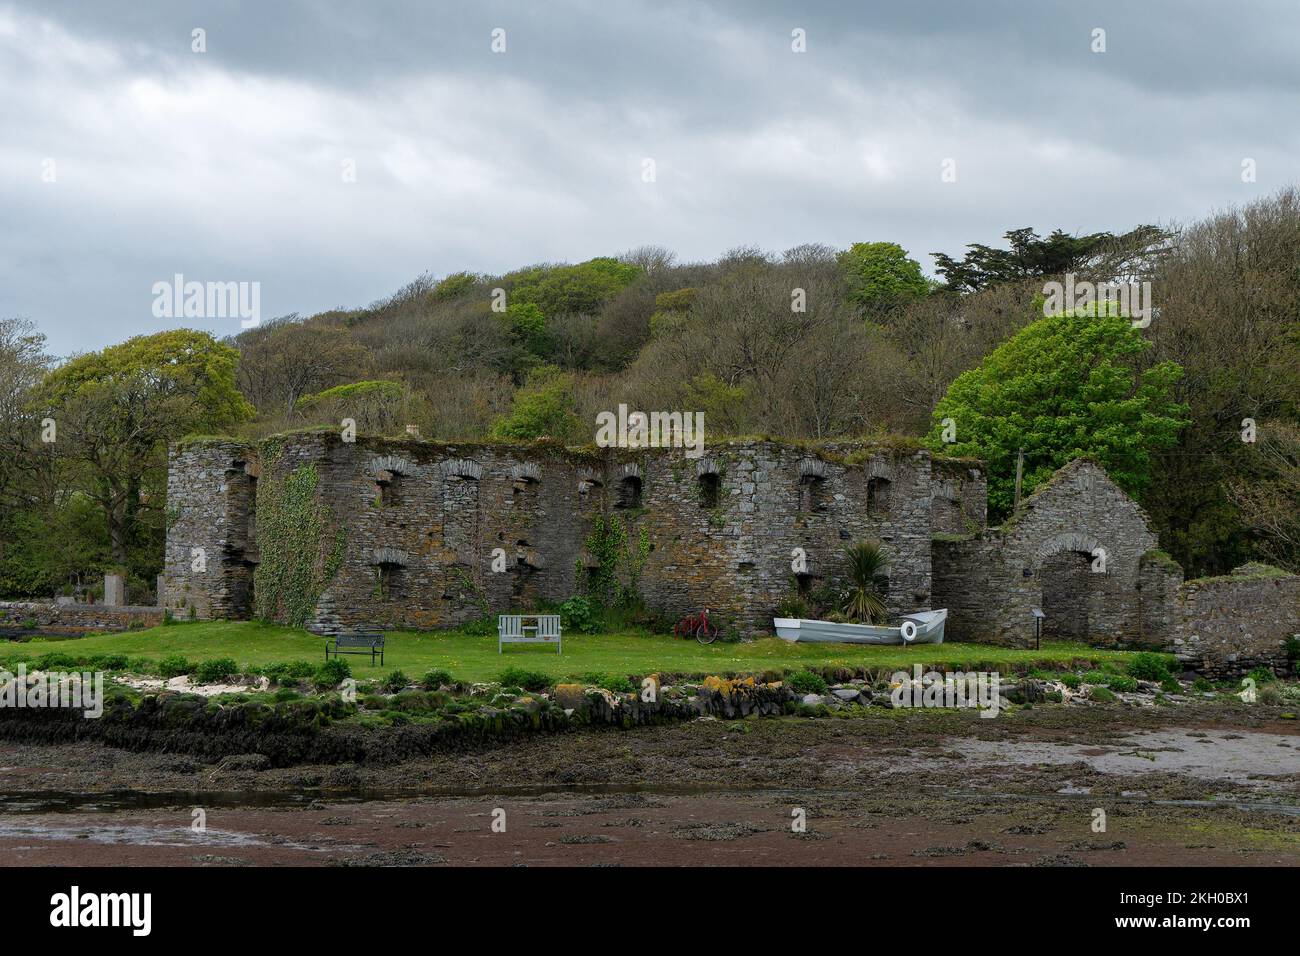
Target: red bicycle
699,627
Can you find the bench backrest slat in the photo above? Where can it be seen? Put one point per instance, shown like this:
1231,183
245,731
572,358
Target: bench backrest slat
511,625
359,640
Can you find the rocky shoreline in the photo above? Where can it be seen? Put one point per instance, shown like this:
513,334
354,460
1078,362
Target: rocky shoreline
241,718
1210,782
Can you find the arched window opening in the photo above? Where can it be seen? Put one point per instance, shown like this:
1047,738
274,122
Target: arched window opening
878,497
812,494
629,493
710,490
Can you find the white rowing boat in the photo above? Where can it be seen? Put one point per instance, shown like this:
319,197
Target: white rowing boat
923,627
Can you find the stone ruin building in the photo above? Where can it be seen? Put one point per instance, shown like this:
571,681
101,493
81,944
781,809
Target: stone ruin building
417,527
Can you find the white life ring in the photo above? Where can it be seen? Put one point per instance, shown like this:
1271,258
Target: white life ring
909,631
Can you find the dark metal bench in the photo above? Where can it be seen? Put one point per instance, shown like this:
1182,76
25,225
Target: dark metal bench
365,642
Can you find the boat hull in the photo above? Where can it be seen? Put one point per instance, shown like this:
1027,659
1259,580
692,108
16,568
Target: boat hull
928,630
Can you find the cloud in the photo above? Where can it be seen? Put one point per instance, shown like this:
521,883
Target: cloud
228,165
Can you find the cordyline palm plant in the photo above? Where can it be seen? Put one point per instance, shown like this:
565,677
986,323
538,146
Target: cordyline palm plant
864,600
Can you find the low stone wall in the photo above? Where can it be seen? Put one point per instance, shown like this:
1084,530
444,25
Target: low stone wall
1229,625
1160,578
50,618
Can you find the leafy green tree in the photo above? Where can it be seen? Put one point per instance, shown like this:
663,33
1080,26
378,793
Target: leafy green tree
1229,301
671,310
48,549
723,405
377,406
1031,256
580,288
190,370
679,300
51,535
115,411
880,275
1064,387
544,407
23,363
282,360
527,327
454,286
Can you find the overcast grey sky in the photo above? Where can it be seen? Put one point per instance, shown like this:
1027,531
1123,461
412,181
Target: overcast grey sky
227,165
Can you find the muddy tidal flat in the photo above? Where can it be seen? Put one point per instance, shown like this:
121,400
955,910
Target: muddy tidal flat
1048,786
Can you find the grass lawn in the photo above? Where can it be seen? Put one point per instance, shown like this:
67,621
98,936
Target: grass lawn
476,658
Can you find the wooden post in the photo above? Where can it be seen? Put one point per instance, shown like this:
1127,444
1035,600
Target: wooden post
1020,469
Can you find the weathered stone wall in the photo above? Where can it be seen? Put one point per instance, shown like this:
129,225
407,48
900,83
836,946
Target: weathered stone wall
970,580
423,519
1159,578
423,522
992,581
959,496
737,554
1228,625
210,553
49,617
1045,557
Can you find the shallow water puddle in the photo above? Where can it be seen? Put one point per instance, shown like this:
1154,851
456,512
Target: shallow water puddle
1235,756
118,834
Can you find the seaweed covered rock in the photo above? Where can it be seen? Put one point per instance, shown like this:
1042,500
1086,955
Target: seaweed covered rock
571,696
254,734
720,697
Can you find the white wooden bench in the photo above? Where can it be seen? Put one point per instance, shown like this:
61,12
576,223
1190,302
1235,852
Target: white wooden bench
529,629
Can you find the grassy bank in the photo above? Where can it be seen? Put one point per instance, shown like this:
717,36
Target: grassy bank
475,658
